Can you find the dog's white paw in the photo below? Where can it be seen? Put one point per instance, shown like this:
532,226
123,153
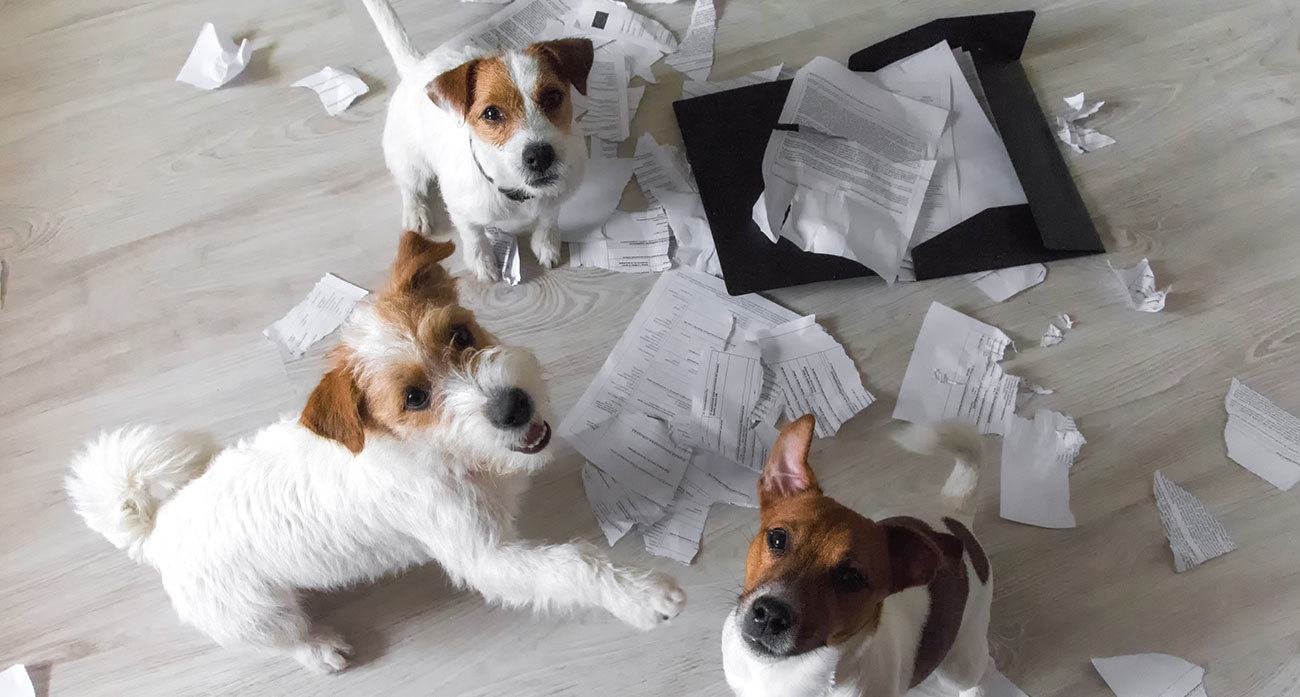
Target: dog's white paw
649,599
547,250
415,216
483,265
326,652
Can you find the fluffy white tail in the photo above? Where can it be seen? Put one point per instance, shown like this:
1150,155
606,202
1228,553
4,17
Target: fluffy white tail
395,38
121,479
963,444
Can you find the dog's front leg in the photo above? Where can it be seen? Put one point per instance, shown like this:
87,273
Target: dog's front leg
567,577
545,241
476,249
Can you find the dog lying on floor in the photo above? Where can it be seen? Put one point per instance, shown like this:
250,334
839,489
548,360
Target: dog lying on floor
836,604
494,129
415,446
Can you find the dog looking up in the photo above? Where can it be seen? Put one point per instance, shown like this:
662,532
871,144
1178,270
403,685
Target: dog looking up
415,446
494,129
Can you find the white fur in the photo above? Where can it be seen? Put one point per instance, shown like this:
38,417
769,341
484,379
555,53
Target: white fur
236,534
880,664
424,141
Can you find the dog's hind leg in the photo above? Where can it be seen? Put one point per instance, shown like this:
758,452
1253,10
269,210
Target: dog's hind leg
274,622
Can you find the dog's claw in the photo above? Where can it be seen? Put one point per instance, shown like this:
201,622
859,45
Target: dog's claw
650,599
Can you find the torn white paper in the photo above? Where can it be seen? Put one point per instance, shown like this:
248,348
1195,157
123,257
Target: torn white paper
699,88
604,149
15,682
661,167
614,20
708,480
1151,675
607,102
586,211
954,373
517,25
616,509
690,227
1140,287
1002,284
1055,333
1195,535
967,64
326,307
635,242
1080,138
694,56
1036,460
336,88
214,60
505,250
1261,437
812,374
634,95
996,684
722,406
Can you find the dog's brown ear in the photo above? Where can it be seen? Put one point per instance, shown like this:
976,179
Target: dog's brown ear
454,89
787,471
418,269
914,557
334,410
570,59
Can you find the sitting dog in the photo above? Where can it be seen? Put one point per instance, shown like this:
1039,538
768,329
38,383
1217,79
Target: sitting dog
495,130
415,446
838,604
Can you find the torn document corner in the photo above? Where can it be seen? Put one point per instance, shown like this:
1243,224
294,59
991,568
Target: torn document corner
1080,138
505,250
1002,284
812,373
15,682
616,509
321,312
1140,287
699,88
1036,460
1195,535
710,479
661,167
629,242
695,248
637,450
1262,437
608,113
214,60
954,373
606,19
726,393
694,56
336,88
1151,675
587,210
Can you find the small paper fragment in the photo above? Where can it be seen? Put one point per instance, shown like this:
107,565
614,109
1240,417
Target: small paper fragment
1140,286
1195,535
214,60
1002,284
1080,138
1262,437
325,308
337,88
505,251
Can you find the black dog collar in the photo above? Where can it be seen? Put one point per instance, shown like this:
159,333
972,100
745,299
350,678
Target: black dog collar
516,195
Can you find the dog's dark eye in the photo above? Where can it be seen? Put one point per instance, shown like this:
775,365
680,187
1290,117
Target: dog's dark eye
551,100
491,114
848,580
417,399
777,539
462,337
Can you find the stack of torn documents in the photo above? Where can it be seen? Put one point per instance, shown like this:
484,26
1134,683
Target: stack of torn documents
683,412
874,164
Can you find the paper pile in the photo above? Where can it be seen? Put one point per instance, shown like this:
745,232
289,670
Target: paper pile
321,312
683,411
1195,535
1080,138
1151,675
1140,287
336,88
1261,437
214,60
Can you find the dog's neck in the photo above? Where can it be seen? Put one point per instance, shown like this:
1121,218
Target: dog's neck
516,195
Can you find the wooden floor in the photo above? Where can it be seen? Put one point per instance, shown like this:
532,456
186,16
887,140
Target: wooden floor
152,230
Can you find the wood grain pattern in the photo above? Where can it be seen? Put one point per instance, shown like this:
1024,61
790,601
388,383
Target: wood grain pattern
152,231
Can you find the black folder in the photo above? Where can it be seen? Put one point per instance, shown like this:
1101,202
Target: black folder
726,133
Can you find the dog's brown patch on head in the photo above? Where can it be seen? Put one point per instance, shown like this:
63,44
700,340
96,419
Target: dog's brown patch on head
561,63
485,95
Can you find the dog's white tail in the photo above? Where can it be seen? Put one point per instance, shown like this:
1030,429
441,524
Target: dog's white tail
396,40
961,442
121,479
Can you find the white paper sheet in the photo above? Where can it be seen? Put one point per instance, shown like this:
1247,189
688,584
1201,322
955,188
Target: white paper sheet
690,226
517,25
616,509
708,480
1140,287
15,682
967,64
996,684
1002,284
1261,437
585,213
505,250
812,374
1036,460
1080,138
661,167
603,149
1195,535
607,114
954,373
699,88
337,88
694,56
1051,337
634,95
321,312
722,407
614,20
635,242
214,60
1151,675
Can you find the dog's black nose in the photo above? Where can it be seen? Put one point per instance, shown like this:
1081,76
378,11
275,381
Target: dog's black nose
770,623
538,157
510,408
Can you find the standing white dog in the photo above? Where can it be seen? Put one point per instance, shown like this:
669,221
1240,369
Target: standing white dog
415,446
495,130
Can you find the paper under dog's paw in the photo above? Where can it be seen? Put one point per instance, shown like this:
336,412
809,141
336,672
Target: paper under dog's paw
650,599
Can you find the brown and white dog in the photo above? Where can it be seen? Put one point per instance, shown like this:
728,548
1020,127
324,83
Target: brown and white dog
495,129
838,604
414,447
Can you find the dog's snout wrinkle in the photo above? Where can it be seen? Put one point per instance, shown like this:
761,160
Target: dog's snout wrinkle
510,408
539,157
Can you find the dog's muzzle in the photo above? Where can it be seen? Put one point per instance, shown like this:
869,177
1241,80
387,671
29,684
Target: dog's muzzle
769,626
512,409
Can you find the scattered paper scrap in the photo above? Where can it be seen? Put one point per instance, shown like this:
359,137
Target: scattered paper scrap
634,95
661,167
586,211
629,242
810,373
608,113
1140,285
1036,460
1080,138
321,312
505,250
515,26
1004,283
694,56
709,479
616,509
954,373
690,227
1195,535
214,60
699,88
15,682
614,20
1262,437
1151,675
1055,333
336,88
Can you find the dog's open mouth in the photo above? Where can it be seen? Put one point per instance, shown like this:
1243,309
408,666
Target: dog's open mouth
537,438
